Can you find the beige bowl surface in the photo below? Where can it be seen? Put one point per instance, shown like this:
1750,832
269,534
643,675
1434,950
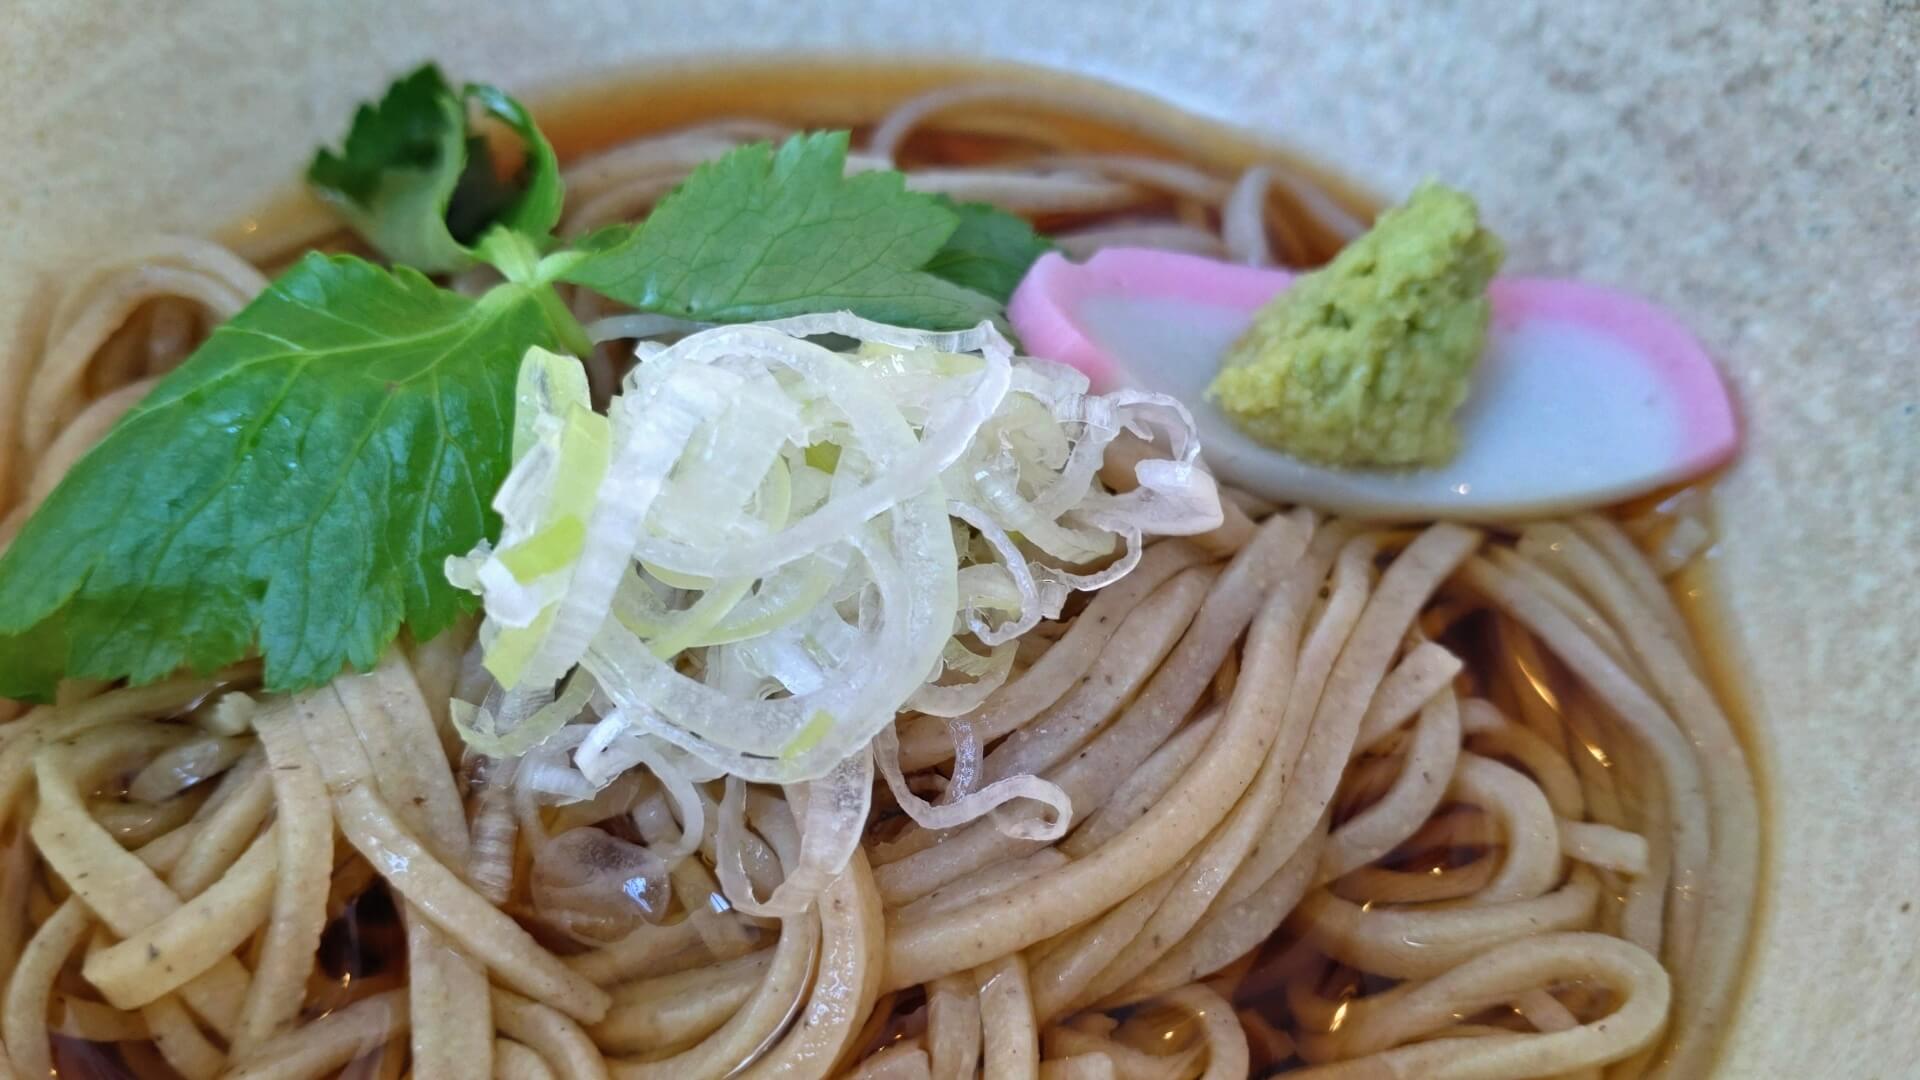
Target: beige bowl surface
1754,166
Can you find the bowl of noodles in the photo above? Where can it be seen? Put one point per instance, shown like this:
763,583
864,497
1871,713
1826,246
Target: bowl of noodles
605,574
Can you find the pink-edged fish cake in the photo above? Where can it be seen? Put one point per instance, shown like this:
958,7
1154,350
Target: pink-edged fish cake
1585,395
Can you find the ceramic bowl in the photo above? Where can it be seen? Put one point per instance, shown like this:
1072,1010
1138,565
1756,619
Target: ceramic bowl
1750,166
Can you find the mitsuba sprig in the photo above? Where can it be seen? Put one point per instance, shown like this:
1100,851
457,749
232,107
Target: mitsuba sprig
294,488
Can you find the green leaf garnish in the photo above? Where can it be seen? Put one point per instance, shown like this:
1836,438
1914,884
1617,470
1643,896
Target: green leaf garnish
294,489
763,234
295,486
419,184
989,252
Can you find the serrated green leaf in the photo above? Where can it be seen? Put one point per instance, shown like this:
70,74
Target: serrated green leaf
295,487
763,234
416,182
989,252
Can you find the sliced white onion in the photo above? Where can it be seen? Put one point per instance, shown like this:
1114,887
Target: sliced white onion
776,547
965,808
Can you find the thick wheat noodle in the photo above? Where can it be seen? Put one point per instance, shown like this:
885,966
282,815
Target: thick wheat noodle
1011,1041
1061,975
1093,1066
16,886
1381,886
453,1021
79,1018
924,740
1627,561
645,949
1412,683
304,827
322,1046
183,252
1202,878
1144,786
723,933
845,984
1491,734
1531,864
1080,244
1168,176
1496,976
30,988
1001,877
1152,845
1027,191
78,436
892,130
1574,607
561,1042
1604,846
55,393
1090,776
1546,1013
1169,695
1521,668
403,756
1588,743
136,823
678,151
1421,942
1243,224
1679,770
953,1027
903,1060
1225,678
1426,769
180,1042
880,1026
1409,580
120,889
1226,1042
151,338
1230,931
487,933
43,727
1351,560
620,202
453,1027
437,667
1642,800
1648,623
1061,1041
169,952
767,837
517,1061
1144,639
670,1010
229,821
738,1034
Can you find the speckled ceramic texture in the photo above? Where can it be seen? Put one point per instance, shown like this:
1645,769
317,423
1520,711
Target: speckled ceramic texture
1755,166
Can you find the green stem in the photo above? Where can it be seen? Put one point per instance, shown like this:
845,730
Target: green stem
572,335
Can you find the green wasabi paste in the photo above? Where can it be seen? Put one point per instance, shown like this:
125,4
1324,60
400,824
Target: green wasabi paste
1363,362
